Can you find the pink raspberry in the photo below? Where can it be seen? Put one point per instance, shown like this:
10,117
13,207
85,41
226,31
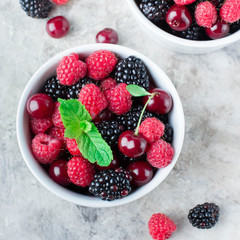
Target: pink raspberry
45,148
80,171
93,99
161,227
73,147
100,64
119,99
230,11
40,125
70,69
160,154
152,129
107,84
56,117
205,14
184,2
60,2
58,133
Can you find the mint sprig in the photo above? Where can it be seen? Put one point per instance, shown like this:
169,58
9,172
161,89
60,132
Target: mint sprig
77,121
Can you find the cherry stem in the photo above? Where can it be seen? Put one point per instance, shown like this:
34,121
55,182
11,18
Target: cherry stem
140,118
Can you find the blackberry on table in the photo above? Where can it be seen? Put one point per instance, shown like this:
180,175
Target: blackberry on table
204,216
132,70
168,133
194,32
111,184
36,8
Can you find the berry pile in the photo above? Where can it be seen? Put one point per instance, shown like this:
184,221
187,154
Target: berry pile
89,133
194,19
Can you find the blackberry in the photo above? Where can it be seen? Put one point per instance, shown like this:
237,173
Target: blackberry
73,91
204,216
125,161
36,8
111,184
110,131
132,70
194,32
155,10
234,27
168,133
54,89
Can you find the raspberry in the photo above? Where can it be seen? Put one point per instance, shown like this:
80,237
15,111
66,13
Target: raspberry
45,148
230,11
152,129
100,64
80,171
60,2
73,147
56,117
58,133
70,69
119,99
184,2
40,125
93,99
160,154
160,226
107,84
205,14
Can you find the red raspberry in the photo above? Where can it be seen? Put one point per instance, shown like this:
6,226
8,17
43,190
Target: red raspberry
93,99
70,69
60,2
80,171
184,2
205,14
230,11
152,129
56,117
58,133
100,64
160,154
107,84
45,148
161,227
119,99
73,147
40,125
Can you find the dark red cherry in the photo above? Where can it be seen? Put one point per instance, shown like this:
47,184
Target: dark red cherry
105,115
57,27
132,145
219,30
58,172
178,17
113,165
40,105
161,103
107,35
141,172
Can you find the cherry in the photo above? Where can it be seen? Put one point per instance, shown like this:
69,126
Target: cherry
58,172
105,115
161,103
132,145
219,30
178,17
107,35
40,105
113,165
57,27
141,172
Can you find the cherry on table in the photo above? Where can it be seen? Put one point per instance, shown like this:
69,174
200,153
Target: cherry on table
219,30
107,35
113,165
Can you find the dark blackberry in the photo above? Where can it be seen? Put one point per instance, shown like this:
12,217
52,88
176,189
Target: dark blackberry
194,32
125,161
111,184
168,133
73,91
234,27
54,89
110,131
132,70
155,10
204,216
36,8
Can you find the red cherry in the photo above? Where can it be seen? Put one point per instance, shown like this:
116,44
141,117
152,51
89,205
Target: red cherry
161,103
57,27
113,165
178,17
132,145
219,30
107,35
141,172
105,115
58,172
40,105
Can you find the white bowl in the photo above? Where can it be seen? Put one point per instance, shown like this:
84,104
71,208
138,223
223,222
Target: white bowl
176,43
24,137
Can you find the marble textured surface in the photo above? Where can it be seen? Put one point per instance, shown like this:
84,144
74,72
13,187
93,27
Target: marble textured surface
208,168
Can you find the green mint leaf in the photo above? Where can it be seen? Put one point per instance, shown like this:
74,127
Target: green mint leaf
94,148
85,126
137,91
